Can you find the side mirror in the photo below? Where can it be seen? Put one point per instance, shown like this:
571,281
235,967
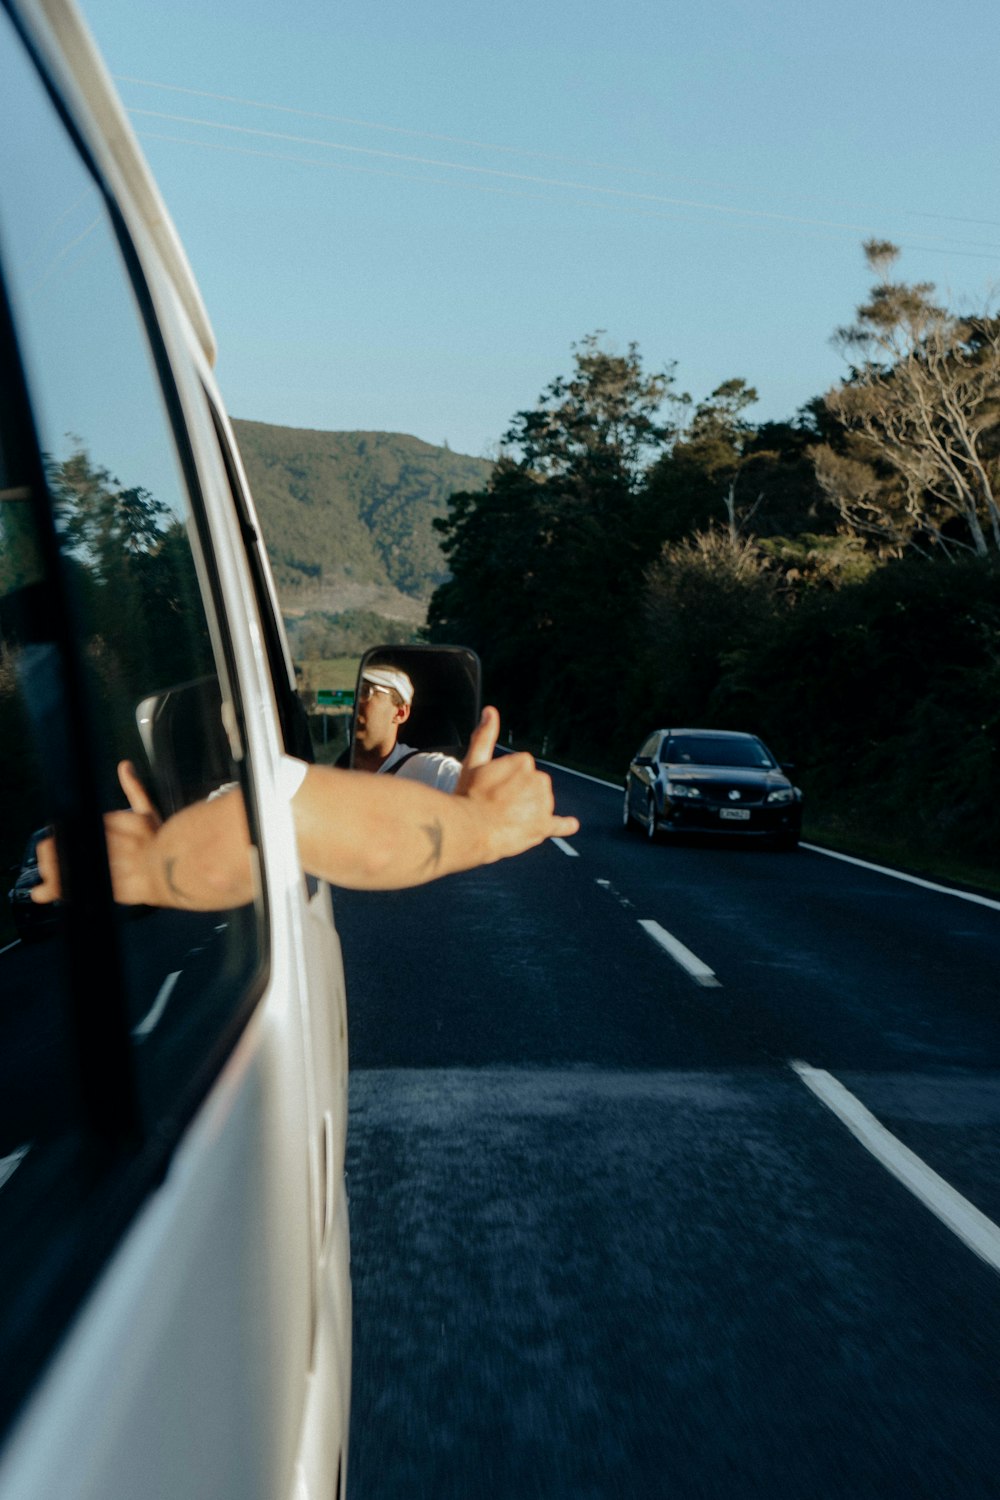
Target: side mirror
447,694
643,760
186,745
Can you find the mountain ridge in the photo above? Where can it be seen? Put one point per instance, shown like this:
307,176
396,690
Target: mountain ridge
347,515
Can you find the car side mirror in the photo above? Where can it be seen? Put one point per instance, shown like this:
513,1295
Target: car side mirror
447,695
643,760
182,733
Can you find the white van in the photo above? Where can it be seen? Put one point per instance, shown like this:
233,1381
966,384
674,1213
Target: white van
174,1287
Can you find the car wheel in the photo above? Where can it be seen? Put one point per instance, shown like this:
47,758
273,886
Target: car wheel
650,818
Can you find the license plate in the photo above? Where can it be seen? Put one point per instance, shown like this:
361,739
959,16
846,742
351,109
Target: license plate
735,814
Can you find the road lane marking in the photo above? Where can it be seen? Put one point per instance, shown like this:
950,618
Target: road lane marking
551,765
158,1006
851,859
622,900
700,972
566,848
957,1213
927,885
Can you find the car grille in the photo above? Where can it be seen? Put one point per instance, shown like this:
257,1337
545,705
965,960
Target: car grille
719,792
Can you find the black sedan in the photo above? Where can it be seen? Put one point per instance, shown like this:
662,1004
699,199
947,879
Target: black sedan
711,781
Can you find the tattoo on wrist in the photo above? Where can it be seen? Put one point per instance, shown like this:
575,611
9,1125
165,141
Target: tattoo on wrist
435,834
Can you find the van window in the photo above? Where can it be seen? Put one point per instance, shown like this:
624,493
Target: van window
113,1021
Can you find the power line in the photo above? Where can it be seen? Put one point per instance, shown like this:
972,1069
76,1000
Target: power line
479,145
421,179
624,194
426,135
477,187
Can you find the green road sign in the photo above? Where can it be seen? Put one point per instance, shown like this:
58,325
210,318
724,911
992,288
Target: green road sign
335,698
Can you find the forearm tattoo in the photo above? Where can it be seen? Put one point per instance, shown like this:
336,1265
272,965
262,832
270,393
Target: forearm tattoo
435,835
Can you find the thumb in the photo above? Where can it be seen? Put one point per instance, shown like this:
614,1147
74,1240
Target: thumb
481,746
139,799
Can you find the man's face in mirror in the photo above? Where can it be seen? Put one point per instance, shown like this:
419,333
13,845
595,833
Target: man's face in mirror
380,713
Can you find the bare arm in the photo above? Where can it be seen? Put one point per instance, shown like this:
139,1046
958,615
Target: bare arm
199,859
381,833
355,830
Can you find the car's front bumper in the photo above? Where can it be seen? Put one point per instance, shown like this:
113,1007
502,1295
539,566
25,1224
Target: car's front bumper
760,820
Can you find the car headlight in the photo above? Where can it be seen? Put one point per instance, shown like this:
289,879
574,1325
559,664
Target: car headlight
781,794
681,789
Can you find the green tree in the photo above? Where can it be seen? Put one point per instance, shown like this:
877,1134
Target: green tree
101,522
919,463
546,560
709,599
603,422
756,480
134,580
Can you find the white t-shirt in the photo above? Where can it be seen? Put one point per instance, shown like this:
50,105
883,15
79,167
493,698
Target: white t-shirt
428,766
291,775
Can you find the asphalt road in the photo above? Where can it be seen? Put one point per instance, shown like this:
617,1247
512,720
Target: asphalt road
608,1240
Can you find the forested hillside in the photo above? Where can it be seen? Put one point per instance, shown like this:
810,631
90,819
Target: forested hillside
639,559
348,516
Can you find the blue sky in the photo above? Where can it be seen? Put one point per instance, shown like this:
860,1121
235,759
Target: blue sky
442,197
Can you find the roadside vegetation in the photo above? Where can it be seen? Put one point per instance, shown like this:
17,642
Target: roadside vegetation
831,583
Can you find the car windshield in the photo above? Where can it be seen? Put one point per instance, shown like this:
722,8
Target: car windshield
712,750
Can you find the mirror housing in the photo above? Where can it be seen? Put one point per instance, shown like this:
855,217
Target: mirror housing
181,729
447,694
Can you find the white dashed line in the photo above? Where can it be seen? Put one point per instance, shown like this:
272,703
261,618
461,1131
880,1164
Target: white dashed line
622,900
957,1213
700,972
159,1005
566,848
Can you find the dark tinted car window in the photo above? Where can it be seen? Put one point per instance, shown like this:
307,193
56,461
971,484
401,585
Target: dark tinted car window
711,750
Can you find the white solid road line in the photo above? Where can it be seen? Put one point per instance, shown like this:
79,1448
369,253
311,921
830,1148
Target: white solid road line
700,972
928,885
850,859
158,1006
957,1213
551,765
566,848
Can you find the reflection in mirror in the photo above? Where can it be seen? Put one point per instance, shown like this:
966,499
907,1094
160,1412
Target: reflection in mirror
415,708
181,729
